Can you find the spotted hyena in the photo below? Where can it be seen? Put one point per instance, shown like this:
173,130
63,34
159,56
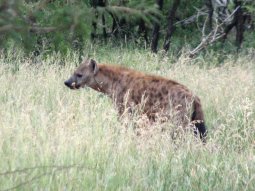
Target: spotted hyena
129,88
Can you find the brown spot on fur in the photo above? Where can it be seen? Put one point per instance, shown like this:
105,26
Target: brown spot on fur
159,94
164,90
136,100
179,95
183,97
155,80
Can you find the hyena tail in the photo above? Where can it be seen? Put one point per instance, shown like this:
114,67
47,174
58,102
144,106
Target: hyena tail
197,119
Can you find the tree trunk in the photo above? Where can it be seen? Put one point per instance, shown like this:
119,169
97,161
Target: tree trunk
102,3
240,19
170,28
95,4
210,8
114,31
123,28
238,23
228,28
156,28
142,31
104,28
94,25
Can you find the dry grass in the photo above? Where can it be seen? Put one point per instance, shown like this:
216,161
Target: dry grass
53,138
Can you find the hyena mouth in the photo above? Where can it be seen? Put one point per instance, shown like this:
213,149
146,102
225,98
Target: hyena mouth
74,86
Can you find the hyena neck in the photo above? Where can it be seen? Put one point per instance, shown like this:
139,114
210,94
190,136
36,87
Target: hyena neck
106,80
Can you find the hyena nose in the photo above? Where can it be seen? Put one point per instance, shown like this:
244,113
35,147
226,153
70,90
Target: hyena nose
67,83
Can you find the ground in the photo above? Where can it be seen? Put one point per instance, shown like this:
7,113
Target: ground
54,139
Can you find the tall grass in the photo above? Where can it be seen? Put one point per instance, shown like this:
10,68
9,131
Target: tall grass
53,138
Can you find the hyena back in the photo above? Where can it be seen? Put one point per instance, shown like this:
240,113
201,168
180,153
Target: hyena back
128,88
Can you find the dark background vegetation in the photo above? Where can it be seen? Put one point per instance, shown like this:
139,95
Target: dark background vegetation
44,26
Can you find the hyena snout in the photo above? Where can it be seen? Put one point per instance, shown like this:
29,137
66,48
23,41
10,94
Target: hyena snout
71,83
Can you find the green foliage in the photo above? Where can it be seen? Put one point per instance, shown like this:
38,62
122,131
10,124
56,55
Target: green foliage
43,26
29,22
58,25
250,6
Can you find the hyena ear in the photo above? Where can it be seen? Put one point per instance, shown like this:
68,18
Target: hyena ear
93,66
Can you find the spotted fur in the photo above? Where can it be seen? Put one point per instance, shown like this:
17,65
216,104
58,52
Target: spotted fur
129,88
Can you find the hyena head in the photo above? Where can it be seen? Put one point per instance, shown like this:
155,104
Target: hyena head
83,75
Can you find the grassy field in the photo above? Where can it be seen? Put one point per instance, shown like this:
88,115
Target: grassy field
53,138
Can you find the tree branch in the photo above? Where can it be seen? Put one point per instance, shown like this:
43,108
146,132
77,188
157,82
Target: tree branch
213,36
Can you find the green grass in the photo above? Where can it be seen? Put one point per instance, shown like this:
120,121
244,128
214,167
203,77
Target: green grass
53,138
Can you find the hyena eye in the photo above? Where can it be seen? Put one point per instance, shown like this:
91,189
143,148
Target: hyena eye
79,75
